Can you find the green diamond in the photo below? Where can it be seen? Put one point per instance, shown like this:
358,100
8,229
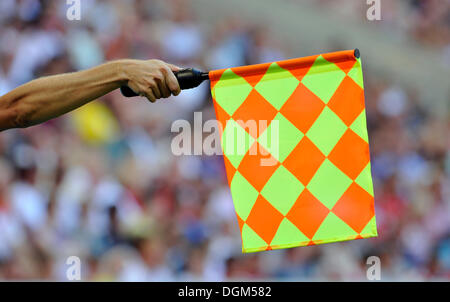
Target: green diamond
280,138
359,126
356,74
282,190
231,91
329,184
250,240
244,195
364,180
326,131
333,229
323,78
235,142
288,234
277,85
370,230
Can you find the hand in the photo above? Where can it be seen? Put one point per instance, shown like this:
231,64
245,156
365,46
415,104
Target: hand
153,79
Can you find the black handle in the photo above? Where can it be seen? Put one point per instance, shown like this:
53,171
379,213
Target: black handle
187,78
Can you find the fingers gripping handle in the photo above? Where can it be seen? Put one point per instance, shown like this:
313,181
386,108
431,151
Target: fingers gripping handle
187,78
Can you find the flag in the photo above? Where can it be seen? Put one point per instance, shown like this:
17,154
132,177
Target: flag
296,150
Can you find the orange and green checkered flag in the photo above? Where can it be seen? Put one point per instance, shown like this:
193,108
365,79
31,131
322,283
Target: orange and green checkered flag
302,176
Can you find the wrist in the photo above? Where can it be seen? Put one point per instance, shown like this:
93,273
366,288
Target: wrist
122,70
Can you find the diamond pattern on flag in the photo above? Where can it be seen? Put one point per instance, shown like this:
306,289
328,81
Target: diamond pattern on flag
303,177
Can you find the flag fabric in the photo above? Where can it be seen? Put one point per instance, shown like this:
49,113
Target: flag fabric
303,177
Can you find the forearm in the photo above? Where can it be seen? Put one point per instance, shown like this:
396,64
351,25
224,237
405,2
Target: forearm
49,97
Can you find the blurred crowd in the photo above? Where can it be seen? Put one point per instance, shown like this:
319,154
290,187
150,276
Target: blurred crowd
427,21
102,184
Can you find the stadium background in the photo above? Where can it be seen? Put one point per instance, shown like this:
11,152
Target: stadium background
102,184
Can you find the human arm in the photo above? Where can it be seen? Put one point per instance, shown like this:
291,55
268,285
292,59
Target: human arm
49,97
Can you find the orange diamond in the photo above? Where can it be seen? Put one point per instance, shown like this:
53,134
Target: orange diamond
304,160
355,207
264,219
251,168
307,213
342,62
240,222
252,78
302,108
230,170
348,101
298,67
222,117
351,154
255,109
215,77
